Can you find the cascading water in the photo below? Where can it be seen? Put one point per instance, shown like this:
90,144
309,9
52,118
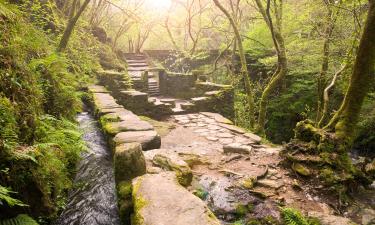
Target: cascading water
93,201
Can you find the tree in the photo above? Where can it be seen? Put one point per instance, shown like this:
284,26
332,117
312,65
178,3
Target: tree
244,72
282,63
73,18
363,75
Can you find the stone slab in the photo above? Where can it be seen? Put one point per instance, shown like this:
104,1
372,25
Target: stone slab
160,200
148,139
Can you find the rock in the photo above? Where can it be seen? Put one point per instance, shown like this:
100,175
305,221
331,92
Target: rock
225,135
269,209
225,141
173,163
211,138
97,89
368,216
237,148
253,137
129,162
233,128
327,219
133,125
219,118
193,159
148,139
301,169
275,184
160,200
223,198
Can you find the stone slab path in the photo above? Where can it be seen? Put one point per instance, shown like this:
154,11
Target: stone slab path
232,168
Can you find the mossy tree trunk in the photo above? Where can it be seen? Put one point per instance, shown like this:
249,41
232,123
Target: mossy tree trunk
73,18
282,63
244,71
345,120
321,82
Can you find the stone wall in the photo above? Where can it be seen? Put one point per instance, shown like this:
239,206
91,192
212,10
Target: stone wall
174,84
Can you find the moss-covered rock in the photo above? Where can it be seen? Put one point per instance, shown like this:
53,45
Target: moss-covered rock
170,162
301,169
129,162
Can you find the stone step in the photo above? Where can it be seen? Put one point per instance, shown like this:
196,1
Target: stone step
138,68
159,199
178,111
137,65
148,139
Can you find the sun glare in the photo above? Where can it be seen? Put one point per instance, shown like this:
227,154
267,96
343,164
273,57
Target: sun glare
159,5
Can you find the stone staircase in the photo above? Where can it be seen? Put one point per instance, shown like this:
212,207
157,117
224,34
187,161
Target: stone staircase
153,87
137,66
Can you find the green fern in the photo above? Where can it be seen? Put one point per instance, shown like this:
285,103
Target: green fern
5,11
293,217
5,197
21,219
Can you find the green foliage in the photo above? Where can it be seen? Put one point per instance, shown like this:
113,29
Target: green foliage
293,217
8,125
5,197
21,219
60,98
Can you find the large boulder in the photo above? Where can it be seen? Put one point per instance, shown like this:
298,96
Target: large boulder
159,200
174,163
129,162
148,139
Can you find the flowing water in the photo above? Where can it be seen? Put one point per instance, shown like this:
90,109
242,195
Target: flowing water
93,201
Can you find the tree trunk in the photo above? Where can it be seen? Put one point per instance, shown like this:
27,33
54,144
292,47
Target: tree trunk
325,62
362,77
69,28
282,63
244,71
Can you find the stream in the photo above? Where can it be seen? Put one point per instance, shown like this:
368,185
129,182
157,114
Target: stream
93,200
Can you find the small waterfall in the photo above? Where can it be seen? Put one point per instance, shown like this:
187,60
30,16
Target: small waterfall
93,201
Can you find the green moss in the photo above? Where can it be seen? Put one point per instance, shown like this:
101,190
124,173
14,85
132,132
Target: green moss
241,210
301,169
253,222
139,203
162,128
201,193
305,131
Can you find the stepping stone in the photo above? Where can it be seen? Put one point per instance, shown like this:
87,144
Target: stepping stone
129,162
132,125
97,89
237,148
253,137
160,200
148,139
170,101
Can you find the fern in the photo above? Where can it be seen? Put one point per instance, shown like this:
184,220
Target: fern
293,217
5,197
21,219
5,11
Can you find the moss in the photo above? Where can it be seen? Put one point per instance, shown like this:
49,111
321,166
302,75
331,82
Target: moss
253,222
138,203
162,128
241,210
201,193
301,169
305,131
248,182
124,193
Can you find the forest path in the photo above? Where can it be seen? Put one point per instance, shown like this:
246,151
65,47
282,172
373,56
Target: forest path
232,170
